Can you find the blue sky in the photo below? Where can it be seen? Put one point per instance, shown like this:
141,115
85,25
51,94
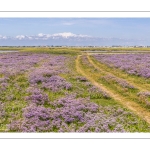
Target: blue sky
125,29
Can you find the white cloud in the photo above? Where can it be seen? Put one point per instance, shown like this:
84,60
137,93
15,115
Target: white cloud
30,37
3,37
67,23
70,38
20,37
42,36
65,34
69,34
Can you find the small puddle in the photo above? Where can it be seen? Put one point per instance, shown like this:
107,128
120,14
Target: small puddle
5,51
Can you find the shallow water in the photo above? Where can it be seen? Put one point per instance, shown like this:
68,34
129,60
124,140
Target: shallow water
5,51
117,51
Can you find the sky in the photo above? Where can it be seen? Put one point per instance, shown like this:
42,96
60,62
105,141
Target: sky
74,31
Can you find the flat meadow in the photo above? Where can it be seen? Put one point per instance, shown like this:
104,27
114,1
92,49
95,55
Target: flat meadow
73,90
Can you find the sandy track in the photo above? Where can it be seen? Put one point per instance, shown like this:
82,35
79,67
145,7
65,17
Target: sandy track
133,106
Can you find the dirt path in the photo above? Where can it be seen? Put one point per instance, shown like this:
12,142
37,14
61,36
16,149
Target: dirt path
133,106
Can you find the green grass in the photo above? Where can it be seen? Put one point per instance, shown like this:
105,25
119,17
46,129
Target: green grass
14,99
105,102
15,106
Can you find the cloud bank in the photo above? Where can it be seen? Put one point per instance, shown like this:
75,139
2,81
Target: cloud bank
67,38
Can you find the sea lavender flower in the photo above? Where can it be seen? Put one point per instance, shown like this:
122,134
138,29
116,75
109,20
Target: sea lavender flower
123,83
2,110
97,93
56,83
144,98
37,96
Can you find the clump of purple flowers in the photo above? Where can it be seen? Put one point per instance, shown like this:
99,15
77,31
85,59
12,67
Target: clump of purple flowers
67,110
3,83
123,83
35,118
97,93
47,75
53,66
2,110
2,113
144,94
37,96
72,115
3,86
11,65
42,74
56,83
143,97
